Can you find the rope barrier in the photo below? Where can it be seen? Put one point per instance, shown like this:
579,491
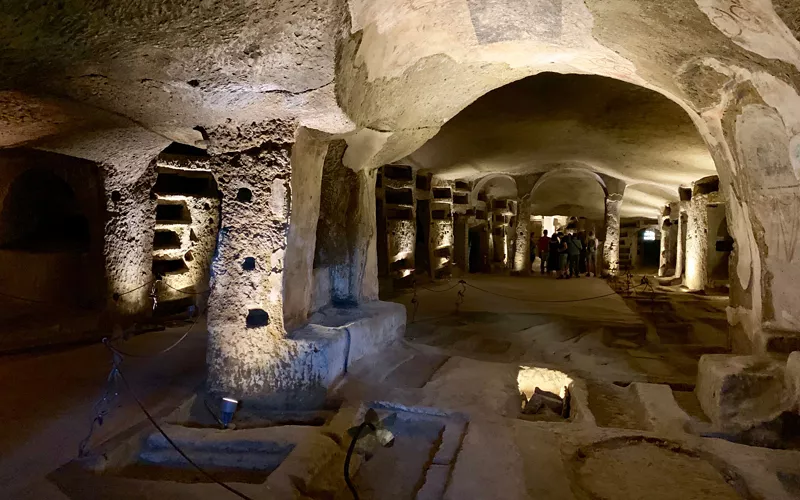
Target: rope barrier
115,296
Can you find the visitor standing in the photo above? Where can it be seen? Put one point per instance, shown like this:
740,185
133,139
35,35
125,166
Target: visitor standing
574,254
563,257
553,258
544,251
591,255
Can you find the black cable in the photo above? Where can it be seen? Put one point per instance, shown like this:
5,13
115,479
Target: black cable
185,292
134,289
350,451
439,291
120,352
170,441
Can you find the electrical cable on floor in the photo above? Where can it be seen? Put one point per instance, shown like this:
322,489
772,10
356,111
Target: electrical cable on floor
172,443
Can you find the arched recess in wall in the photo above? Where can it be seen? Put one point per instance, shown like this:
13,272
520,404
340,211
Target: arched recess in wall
571,191
51,232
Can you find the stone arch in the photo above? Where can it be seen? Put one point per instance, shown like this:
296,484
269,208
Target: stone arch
483,181
41,212
51,230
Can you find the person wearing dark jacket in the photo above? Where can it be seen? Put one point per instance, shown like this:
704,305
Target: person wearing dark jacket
553,260
574,248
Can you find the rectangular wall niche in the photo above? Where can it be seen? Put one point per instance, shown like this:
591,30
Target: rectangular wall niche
442,193
424,182
399,197
398,172
175,213
462,186
482,196
480,215
461,199
166,240
440,214
185,183
399,214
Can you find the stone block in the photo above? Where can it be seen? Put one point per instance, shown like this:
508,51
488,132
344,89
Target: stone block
740,392
792,381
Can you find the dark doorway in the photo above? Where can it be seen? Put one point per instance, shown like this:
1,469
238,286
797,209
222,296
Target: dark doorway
650,248
383,243
723,248
478,249
422,252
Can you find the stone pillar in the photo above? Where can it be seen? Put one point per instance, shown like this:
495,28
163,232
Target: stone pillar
363,235
697,243
666,243
615,191
308,156
461,242
522,256
680,256
247,350
128,242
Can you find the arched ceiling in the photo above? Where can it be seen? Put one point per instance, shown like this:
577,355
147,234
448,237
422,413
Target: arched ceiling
569,192
546,121
501,187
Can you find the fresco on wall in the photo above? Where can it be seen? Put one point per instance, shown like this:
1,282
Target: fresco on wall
754,26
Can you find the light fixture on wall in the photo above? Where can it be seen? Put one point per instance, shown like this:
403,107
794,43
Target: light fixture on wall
649,235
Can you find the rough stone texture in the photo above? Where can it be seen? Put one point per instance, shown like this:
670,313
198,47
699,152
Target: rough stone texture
198,240
697,243
522,255
792,381
611,240
680,258
308,155
129,241
245,359
740,392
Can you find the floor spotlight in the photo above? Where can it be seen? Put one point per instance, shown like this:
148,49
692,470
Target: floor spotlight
227,410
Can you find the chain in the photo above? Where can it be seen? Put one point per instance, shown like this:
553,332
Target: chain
461,293
102,407
154,293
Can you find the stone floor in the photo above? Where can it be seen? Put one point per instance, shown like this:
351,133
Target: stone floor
451,394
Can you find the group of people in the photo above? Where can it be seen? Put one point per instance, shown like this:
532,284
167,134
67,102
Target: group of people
567,255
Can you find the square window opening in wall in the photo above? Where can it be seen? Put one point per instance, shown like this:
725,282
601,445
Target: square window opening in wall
399,214
173,212
470,212
461,199
398,172
423,182
399,196
440,214
462,186
442,193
